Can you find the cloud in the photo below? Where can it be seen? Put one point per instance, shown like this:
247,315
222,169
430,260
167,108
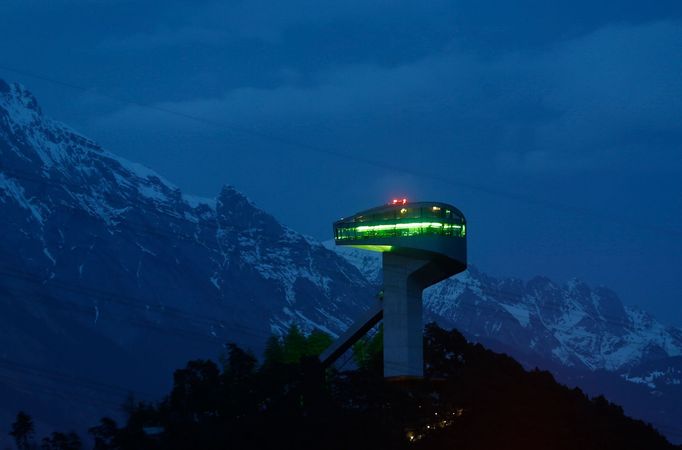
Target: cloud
268,20
167,37
610,99
619,92
220,22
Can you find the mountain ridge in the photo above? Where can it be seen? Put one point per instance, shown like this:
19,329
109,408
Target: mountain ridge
111,272
99,249
561,315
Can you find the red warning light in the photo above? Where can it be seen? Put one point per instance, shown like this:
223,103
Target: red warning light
399,201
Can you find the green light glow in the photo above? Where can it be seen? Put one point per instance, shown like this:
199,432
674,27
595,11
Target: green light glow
405,226
398,229
374,248
401,220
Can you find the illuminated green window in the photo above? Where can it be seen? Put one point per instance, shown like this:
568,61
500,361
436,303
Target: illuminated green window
400,229
411,219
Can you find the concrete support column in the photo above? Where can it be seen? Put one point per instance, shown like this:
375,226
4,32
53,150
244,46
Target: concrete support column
403,327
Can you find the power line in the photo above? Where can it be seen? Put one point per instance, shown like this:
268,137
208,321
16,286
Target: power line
210,321
367,161
154,232
257,133
102,387
58,303
176,313
78,380
496,292
311,148
148,229
34,387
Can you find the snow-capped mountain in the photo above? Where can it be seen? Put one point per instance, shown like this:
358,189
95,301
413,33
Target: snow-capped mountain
572,324
109,272
584,335
111,277
657,374
71,208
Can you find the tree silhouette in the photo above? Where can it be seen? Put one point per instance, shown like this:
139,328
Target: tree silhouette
316,342
62,441
104,434
196,389
368,351
240,364
274,351
22,431
470,399
294,345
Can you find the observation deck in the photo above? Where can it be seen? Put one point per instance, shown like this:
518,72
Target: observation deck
422,243
425,230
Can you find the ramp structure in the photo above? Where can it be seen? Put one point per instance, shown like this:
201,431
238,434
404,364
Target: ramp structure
422,244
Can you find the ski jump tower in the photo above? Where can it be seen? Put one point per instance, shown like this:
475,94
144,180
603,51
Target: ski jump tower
422,243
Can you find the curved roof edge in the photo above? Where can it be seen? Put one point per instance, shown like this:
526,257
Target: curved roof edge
391,207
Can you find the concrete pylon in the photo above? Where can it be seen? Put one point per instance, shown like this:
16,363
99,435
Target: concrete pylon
405,278
403,318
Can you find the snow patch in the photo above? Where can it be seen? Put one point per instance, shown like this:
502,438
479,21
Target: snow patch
47,253
521,314
214,280
145,249
16,192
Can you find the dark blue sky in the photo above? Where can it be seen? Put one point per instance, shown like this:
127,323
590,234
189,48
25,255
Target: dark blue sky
556,128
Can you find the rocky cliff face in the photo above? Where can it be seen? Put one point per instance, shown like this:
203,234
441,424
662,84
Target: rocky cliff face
571,324
111,277
110,272
584,335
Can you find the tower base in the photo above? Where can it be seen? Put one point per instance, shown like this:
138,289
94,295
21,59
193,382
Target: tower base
403,323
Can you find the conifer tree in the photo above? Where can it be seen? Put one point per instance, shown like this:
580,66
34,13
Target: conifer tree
22,431
274,351
316,342
62,441
294,345
104,434
368,351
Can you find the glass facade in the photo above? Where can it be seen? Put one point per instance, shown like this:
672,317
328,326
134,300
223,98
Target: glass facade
403,220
